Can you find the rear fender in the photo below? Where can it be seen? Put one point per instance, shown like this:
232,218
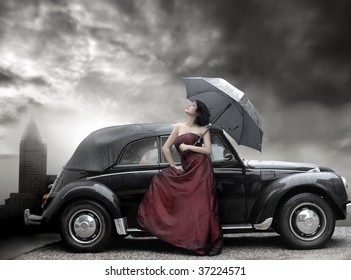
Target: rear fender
325,183
82,190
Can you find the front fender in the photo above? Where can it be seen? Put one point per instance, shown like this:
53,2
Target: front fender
327,184
82,190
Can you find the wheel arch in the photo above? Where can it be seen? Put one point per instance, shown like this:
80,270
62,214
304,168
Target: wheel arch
279,191
313,189
82,190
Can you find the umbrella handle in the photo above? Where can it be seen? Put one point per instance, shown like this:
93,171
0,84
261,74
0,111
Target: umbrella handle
202,136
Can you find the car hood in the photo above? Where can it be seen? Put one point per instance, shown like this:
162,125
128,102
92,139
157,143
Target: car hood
284,165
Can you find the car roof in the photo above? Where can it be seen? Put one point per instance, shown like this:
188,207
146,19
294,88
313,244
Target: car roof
101,149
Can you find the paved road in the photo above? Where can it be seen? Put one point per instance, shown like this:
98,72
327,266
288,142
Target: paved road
267,246
16,245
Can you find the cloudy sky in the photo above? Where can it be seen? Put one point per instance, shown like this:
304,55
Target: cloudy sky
77,65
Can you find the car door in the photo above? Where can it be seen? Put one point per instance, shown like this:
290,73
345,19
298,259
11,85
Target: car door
229,179
230,182
131,176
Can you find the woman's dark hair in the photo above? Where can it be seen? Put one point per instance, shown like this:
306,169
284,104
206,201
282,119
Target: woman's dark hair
203,114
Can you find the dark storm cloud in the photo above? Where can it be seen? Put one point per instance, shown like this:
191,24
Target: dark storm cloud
330,46
9,78
6,78
12,112
171,29
332,30
299,48
12,108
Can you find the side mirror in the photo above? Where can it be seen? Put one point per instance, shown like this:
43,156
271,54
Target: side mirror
227,155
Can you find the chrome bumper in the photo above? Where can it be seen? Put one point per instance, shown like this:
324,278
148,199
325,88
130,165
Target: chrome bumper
30,219
121,226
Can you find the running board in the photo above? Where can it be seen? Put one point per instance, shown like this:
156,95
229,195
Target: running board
237,227
138,232
133,230
228,227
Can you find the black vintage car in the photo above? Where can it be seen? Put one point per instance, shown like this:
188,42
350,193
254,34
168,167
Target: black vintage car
98,191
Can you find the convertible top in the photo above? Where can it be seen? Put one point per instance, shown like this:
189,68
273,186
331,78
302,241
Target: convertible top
100,149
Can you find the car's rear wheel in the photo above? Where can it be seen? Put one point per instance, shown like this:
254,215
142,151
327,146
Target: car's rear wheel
306,221
86,226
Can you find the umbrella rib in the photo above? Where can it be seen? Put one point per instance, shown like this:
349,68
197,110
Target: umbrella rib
241,110
224,110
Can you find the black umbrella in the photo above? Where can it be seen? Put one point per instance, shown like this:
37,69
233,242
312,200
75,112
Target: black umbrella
229,107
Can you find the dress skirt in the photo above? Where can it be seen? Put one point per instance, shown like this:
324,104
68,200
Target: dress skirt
181,208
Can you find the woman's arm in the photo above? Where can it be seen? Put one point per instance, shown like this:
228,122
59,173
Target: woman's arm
205,149
167,146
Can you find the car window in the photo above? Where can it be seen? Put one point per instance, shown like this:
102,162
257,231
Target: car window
218,148
175,154
144,151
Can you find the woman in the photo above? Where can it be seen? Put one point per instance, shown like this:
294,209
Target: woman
180,206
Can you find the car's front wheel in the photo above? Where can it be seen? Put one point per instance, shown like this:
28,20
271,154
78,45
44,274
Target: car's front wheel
86,226
306,221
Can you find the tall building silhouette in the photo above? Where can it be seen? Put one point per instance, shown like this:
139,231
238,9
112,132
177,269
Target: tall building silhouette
33,180
32,162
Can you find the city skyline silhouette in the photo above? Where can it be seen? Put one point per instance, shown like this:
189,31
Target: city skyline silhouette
33,179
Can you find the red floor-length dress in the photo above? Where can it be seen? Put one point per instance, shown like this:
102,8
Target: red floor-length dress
181,208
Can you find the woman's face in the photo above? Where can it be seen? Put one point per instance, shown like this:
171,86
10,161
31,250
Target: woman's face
191,109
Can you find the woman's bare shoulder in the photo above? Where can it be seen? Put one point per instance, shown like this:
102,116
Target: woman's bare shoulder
179,125
203,129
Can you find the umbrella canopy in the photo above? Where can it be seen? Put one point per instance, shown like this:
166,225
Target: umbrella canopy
229,107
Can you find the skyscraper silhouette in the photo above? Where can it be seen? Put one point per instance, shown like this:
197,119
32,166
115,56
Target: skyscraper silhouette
32,163
33,181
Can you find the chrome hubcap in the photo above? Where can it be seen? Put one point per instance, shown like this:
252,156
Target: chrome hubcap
85,226
307,221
